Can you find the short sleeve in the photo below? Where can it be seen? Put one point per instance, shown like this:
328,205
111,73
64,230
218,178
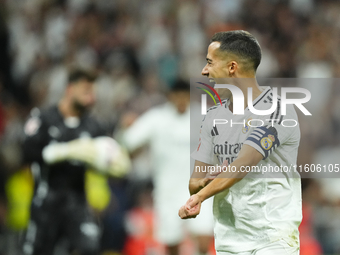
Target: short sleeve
266,139
204,151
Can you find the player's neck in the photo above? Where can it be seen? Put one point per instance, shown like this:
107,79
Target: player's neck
66,109
247,83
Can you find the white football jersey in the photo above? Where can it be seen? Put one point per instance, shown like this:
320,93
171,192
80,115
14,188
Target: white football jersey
256,210
168,134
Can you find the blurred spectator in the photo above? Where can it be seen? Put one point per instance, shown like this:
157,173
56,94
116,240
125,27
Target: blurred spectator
166,129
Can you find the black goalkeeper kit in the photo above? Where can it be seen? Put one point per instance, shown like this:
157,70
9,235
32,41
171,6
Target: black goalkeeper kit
59,208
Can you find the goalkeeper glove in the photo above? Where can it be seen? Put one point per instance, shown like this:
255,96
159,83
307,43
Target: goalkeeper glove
102,153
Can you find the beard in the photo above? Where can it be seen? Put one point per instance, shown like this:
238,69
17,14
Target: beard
80,107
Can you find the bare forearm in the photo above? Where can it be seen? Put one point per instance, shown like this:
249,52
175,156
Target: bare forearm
248,156
196,184
225,180
198,179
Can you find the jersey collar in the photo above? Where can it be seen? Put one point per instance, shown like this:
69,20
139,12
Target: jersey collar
265,92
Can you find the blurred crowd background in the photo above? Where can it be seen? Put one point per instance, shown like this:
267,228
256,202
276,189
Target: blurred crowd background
139,48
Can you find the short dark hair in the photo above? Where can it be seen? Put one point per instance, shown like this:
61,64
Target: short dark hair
80,74
180,85
241,43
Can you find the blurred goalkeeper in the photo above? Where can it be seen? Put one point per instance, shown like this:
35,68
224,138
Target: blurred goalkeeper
61,143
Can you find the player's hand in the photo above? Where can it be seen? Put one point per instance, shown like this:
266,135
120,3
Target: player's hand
102,153
79,149
191,208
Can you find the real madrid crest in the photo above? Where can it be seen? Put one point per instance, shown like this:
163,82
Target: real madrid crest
266,143
246,128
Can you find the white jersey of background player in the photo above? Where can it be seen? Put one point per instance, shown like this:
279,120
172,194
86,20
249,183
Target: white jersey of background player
166,129
253,214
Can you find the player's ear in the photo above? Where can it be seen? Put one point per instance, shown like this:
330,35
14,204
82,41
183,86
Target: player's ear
232,67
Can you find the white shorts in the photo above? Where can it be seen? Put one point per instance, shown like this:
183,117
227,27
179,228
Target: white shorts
170,229
279,247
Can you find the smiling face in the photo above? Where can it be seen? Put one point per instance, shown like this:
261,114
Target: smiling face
220,65
232,55
216,66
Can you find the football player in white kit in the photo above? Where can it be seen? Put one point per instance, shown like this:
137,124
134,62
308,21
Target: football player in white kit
166,129
253,215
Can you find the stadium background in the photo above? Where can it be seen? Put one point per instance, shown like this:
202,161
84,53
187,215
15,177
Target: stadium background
139,48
